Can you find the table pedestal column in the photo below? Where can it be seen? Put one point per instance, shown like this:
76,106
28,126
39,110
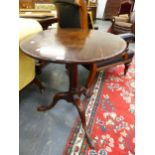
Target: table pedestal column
73,96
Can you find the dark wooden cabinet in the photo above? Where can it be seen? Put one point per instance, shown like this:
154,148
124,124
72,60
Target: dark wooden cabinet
112,8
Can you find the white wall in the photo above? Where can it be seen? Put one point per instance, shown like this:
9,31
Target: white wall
100,8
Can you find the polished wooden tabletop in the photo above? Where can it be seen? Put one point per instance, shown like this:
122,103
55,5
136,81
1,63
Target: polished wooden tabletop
73,45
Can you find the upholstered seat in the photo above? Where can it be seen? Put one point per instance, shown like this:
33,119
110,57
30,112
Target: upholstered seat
123,24
125,58
26,64
121,18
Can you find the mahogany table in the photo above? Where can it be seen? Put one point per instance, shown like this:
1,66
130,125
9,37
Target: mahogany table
72,47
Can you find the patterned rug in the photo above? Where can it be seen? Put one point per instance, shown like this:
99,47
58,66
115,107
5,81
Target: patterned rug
110,116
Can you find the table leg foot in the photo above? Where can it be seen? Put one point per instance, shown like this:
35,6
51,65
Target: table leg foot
87,92
81,110
90,141
58,96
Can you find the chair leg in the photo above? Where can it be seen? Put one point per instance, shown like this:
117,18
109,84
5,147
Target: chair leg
126,67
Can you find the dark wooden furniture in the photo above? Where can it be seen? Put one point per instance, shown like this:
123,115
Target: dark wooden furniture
112,8
125,58
46,21
125,7
72,47
117,7
44,17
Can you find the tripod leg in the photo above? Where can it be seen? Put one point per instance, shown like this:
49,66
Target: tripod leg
58,96
81,111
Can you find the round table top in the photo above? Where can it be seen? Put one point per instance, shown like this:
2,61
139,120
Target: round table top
73,45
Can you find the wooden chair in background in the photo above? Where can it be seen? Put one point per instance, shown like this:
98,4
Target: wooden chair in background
77,17
125,8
